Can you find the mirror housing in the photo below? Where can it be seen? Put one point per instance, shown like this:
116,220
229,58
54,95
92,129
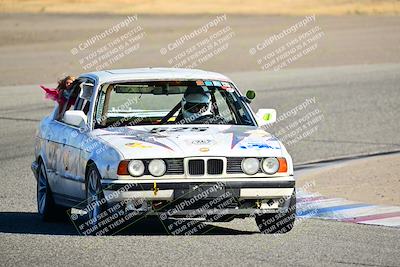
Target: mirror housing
265,116
75,118
250,94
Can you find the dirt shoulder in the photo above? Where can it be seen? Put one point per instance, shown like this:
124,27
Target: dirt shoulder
173,7
375,180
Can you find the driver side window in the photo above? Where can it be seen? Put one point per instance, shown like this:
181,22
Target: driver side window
67,102
84,99
78,99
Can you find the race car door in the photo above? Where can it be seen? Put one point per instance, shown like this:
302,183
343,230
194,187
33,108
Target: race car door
72,180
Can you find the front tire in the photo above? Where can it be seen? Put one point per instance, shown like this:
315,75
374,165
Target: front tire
278,223
47,209
96,203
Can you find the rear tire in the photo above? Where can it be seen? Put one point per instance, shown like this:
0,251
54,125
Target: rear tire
47,209
278,223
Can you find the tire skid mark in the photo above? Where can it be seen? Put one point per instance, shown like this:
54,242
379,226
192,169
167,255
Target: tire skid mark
19,119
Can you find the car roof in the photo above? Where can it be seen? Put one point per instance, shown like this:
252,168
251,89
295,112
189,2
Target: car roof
154,74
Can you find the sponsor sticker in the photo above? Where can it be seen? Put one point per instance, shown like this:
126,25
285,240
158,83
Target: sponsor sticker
208,83
266,117
203,142
217,83
228,89
226,84
257,146
137,145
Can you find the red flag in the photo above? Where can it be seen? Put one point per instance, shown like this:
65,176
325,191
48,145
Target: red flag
50,93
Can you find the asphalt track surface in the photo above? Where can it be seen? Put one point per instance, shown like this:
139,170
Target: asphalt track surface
361,107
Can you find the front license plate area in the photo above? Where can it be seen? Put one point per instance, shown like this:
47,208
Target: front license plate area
200,192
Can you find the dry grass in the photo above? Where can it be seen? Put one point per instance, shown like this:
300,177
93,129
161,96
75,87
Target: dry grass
160,7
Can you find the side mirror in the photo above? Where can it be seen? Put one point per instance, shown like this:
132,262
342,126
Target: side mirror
265,116
250,94
75,118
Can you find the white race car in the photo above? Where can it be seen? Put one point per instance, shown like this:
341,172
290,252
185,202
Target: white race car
167,142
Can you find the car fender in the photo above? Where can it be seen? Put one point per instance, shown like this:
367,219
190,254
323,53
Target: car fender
105,157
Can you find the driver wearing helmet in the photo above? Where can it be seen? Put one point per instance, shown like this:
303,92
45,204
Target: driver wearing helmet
196,106
196,102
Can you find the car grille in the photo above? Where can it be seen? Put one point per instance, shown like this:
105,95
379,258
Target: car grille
174,166
234,165
215,166
196,167
199,166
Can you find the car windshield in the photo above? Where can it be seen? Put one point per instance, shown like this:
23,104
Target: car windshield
170,102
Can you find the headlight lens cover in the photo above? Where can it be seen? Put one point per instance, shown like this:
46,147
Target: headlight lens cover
250,166
270,165
136,167
157,167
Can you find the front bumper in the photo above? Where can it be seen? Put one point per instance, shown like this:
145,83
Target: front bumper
177,197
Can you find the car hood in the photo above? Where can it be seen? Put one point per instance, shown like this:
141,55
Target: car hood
180,141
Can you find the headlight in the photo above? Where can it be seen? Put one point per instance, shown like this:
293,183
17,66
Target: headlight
250,166
136,167
270,165
157,167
